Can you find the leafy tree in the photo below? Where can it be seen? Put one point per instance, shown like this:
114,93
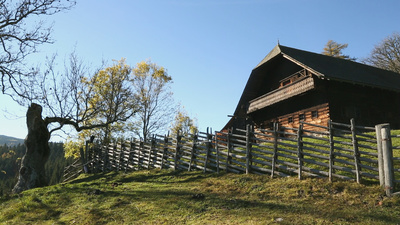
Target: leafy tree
72,98
184,124
332,48
151,83
111,89
386,55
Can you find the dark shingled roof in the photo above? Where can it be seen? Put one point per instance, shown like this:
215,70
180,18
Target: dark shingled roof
327,67
339,69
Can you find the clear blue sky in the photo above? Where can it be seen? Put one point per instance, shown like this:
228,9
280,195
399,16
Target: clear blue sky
209,47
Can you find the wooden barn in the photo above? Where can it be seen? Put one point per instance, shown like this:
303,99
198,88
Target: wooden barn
291,85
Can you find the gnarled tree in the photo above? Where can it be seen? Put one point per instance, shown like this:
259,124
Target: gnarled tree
75,98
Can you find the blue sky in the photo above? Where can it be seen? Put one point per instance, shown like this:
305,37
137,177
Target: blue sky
209,47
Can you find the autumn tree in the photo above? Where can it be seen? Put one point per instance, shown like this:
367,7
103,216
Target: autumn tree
386,55
334,49
77,98
183,124
154,98
111,89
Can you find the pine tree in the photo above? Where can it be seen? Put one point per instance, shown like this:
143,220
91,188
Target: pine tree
334,49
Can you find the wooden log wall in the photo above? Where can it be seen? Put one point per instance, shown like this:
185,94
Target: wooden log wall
336,151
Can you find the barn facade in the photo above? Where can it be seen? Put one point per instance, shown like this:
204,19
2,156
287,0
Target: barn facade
291,85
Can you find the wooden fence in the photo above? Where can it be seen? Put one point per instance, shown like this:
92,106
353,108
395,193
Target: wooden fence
339,151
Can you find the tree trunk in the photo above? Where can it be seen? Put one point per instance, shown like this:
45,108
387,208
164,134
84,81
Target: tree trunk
32,172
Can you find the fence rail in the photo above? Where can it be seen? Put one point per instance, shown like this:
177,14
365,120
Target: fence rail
339,151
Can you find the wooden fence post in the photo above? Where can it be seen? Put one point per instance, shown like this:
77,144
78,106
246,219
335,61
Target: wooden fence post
209,139
141,147
217,150
331,151
165,149
356,152
249,133
300,150
228,146
151,150
193,150
177,151
83,160
119,155
378,129
105,158
131,145
275,155
387,153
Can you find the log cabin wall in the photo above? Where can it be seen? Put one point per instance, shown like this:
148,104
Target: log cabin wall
318,115
368,106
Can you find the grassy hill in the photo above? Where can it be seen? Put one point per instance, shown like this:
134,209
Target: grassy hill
10,140
169,197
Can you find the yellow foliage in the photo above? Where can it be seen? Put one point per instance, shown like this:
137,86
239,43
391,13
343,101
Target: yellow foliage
72,148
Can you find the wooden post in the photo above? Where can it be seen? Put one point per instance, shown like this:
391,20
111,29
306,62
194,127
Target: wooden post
387,153
192,153
300,150
249,133
209,139
152,144
228,146
275,155
105,158
114,156
165,149
131,146
331,151
141,147
121,154
177,151
217,150
83,160
356,152
378,129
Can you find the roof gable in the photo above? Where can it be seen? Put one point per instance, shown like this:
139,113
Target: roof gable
323,66
339,69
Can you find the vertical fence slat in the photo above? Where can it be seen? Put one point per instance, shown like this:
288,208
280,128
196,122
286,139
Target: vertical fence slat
177,151
331,151
217,150
380,154
193,152
300,150
228,147
275,155
209,146
356,152
248,148
165,149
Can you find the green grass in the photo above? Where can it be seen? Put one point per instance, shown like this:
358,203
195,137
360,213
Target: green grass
169,197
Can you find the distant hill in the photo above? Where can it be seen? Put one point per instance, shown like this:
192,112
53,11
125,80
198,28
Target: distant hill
10,140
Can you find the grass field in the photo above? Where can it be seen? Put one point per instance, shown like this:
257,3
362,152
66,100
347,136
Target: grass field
170,197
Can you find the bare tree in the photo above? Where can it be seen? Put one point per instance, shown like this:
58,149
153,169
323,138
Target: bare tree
386,55
18,39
